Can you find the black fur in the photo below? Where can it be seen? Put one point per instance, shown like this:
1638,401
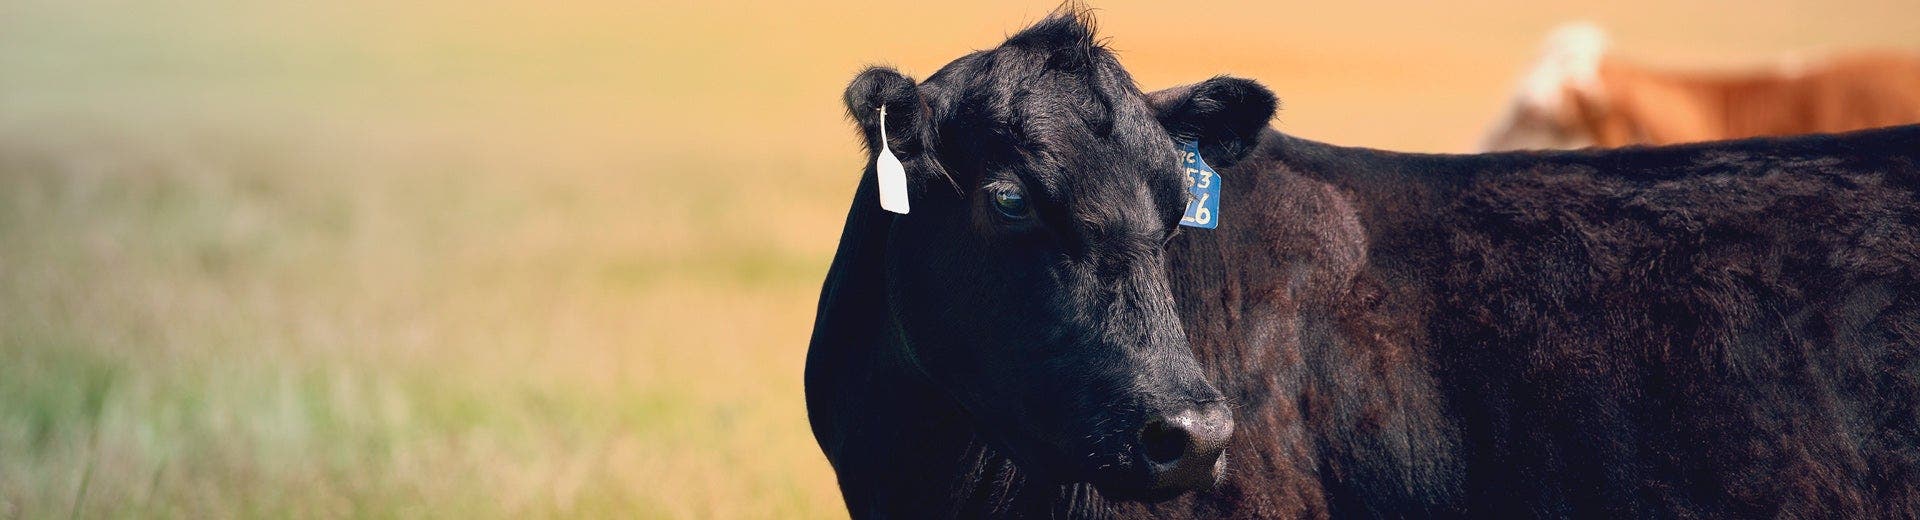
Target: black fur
1717,330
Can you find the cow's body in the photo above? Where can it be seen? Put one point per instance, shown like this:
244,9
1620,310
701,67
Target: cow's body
1728,329
1579,95
1722,330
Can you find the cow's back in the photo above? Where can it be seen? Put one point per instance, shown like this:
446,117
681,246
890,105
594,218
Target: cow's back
1722,329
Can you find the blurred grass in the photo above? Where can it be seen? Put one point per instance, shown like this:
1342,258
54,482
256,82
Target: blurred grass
501,259
219,329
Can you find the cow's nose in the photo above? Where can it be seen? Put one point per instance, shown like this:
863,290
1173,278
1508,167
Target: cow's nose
1183,448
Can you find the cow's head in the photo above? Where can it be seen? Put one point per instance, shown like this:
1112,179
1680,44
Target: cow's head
1029,282
1560,102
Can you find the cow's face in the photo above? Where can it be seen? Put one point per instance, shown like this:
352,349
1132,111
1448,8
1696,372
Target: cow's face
1559,99
1029,281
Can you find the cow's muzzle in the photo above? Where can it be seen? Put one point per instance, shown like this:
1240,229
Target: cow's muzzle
1182,450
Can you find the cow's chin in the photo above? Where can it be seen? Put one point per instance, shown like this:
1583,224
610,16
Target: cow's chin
1130,494
1117,476
1122,477
1133,484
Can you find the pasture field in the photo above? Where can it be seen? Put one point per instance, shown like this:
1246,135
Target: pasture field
512,259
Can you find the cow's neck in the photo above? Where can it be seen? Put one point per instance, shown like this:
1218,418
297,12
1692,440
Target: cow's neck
1305,317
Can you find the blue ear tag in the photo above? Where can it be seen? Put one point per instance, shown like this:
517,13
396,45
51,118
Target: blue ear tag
1203,189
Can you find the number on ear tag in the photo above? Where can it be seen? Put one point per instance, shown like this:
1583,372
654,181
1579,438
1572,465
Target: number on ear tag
892,175
1203,189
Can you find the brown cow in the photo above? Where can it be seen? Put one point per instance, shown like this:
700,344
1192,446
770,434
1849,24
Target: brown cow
1580,95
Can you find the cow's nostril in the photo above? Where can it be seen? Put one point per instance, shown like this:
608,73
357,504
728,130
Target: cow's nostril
1163,442
1182,450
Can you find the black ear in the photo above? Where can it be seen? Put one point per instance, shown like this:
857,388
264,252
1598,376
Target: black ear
878,86
1224,114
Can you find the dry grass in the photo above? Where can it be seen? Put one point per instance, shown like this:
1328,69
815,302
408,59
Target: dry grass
488,259
209,327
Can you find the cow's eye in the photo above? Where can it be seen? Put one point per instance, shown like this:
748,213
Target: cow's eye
1010,202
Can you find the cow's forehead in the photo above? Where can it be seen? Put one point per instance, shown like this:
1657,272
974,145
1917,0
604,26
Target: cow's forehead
1056,109
1012,104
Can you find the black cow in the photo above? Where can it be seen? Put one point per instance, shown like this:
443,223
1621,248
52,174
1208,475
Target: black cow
1721,330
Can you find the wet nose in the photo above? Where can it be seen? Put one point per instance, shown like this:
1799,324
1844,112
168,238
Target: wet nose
1182,449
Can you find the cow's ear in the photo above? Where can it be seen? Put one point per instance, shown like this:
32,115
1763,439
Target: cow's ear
1224,114
879,86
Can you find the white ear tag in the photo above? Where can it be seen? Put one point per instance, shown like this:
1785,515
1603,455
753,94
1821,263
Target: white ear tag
893,176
